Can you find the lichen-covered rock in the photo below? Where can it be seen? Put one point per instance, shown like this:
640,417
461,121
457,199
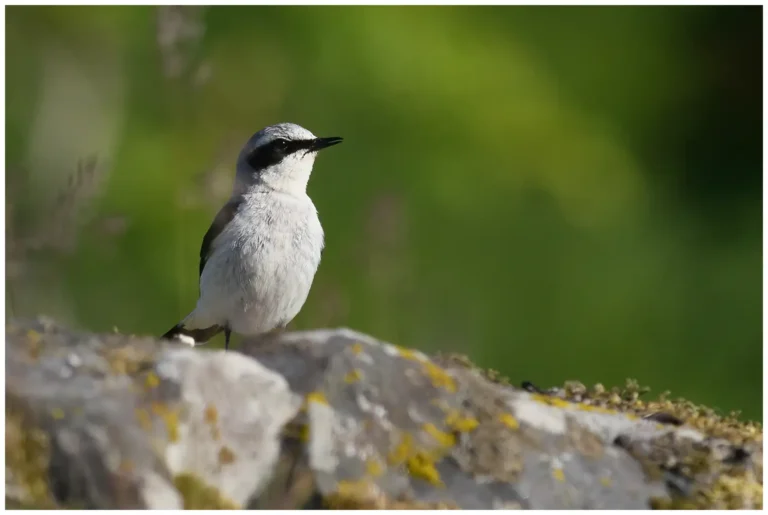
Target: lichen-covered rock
334,418
112,421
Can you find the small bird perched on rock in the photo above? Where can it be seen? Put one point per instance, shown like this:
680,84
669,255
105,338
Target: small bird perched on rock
260,255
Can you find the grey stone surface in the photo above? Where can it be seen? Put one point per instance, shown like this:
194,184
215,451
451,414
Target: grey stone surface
123,417
330,418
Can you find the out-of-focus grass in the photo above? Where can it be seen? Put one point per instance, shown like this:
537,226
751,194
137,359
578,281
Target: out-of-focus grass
509,186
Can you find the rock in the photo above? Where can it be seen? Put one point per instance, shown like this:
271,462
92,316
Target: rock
334,418
123,422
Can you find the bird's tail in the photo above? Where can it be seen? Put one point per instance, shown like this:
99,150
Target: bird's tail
180,332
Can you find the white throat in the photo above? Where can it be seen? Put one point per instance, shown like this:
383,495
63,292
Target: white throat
289,176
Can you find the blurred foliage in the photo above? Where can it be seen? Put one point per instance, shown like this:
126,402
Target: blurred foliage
558,192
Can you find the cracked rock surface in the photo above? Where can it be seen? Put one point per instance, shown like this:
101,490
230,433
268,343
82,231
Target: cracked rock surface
335,418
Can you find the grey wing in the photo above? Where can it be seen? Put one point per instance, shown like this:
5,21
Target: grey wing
223,217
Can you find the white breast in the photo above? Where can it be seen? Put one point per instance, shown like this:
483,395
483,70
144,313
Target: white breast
263,264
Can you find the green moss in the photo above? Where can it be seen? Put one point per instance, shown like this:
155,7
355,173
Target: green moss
460,360
199,496
27,455
727,493
628,400
730,487
364,495
733,487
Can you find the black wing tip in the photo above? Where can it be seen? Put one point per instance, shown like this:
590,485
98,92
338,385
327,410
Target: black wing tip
173,332
199,335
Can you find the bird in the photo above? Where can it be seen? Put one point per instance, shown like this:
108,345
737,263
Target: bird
260,255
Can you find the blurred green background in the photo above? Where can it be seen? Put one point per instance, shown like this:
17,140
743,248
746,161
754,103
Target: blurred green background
558,192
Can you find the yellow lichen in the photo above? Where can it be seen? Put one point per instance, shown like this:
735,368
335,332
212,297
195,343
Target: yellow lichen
408,353
726,493
509,421
126,467
142,415
364,495
172,425
558,474
606,481
27,455
459,423
596,409
357,348
362,490
197,495
401,451
33,343
552,401
443,405
304,433
373,467
211,414
443,438
626,401
318,397
126,360
118,367
152,381
423,467
170,418
439,377
353,376
226,456
57,413
730,492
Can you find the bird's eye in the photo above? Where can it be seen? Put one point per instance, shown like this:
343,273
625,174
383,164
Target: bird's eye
281,144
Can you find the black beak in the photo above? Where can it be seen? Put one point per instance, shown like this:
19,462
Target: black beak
321,143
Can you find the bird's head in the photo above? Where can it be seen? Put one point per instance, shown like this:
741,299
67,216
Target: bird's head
280,156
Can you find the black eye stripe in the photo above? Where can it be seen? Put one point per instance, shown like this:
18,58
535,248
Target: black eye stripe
295,146
274,152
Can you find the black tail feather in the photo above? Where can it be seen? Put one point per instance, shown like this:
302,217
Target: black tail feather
199,335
